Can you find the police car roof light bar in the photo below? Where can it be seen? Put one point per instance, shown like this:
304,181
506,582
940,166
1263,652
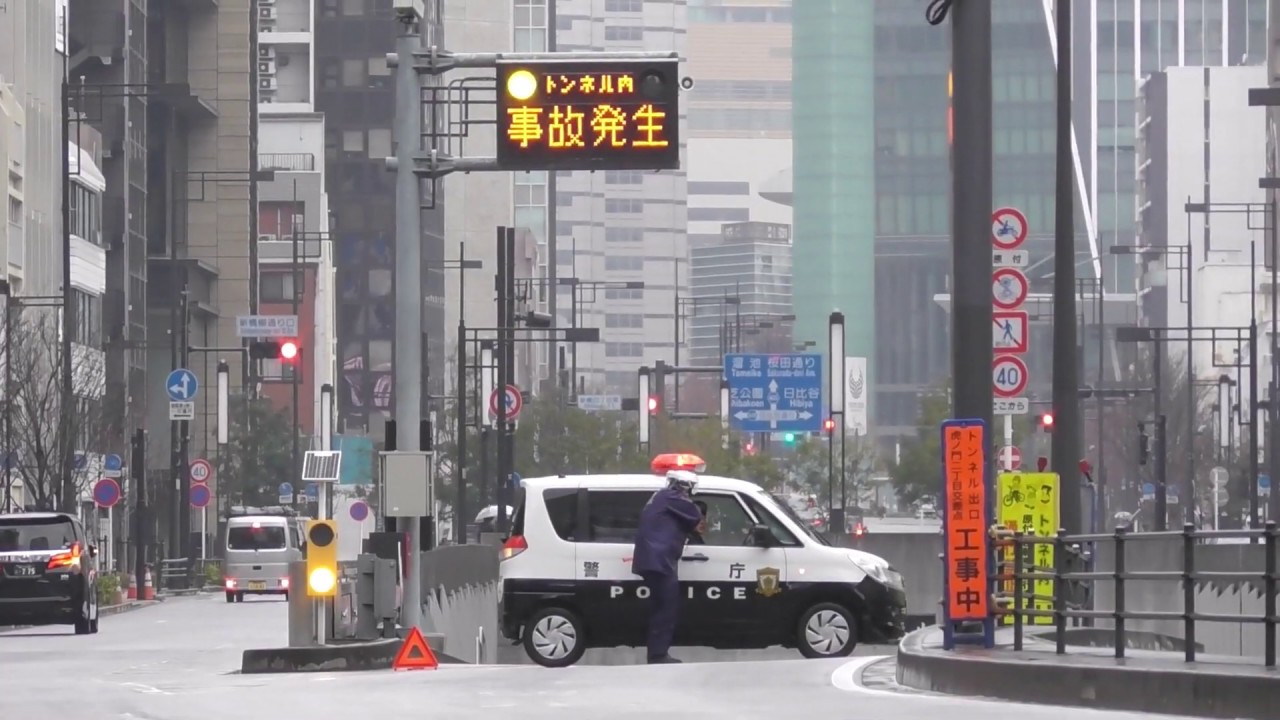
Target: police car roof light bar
666,462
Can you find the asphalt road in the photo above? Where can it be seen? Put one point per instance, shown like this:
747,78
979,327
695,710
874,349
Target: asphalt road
178,661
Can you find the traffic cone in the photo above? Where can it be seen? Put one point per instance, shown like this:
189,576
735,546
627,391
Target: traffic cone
148,589
133,587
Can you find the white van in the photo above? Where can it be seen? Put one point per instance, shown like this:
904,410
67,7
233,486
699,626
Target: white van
261,542
758,577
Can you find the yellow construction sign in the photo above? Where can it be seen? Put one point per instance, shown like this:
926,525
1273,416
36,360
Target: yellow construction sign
1029,502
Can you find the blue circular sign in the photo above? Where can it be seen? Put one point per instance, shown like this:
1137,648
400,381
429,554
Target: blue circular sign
106,492
1264,481
313,491
200,495
1148,489
113,462
286,489
359,511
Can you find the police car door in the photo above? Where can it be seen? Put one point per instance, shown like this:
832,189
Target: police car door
731,587
612,597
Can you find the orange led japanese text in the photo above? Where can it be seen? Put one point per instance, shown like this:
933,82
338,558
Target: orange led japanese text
965,503
583,115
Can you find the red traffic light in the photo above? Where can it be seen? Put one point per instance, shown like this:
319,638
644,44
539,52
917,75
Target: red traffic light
828,425
1046,421
288,350
653,404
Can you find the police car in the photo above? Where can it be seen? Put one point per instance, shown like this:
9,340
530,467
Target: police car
758,577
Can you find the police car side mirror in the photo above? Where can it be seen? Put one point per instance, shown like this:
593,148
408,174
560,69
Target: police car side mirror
93,551
762,537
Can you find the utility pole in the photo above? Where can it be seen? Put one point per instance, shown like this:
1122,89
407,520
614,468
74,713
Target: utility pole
408,278
505,358
138,469
971,207
1066,371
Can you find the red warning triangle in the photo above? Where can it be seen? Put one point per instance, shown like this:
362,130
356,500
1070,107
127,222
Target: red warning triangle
415,654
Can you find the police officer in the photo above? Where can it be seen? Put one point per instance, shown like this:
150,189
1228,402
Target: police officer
665,524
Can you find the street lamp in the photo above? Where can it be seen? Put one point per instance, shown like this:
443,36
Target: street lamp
835,401
224,389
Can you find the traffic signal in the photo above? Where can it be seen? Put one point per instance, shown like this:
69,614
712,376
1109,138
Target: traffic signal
1144,444
655,404
1046,422
789,438
829,426
286,350
322,558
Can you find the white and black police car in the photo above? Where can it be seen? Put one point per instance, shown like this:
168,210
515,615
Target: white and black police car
758,577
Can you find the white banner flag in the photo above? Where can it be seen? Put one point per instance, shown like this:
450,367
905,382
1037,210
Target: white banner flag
855,395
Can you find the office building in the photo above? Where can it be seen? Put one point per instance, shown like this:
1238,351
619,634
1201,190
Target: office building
294,244
614,227
357,97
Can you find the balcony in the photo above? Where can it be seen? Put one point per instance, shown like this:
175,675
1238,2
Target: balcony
287,162
17,246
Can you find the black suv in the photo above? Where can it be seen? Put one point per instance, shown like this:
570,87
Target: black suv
48,572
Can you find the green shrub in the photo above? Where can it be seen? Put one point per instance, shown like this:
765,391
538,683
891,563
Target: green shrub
108,585
213,574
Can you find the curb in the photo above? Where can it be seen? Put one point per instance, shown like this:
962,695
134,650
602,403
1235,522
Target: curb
348,657
1089,681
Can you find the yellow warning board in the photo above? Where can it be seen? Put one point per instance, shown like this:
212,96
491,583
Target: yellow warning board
1029,502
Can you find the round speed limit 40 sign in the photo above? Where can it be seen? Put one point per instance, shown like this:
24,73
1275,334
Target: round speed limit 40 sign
1008,376
201,471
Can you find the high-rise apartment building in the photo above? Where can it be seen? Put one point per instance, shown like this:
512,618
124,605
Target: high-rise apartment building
615,227
294,244
357,96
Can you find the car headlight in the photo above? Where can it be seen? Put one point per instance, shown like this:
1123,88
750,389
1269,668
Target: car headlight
876,570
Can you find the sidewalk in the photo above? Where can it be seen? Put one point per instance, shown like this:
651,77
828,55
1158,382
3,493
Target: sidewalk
103,611
1145,680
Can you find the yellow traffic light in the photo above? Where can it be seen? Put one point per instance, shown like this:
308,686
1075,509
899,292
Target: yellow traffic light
522,85
322,558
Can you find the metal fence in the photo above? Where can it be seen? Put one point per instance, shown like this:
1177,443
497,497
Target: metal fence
1014,601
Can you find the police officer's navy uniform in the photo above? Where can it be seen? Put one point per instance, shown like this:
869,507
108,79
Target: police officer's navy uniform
665,524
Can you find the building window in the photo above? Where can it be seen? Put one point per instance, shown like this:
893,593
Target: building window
379,143
624,33
353,72
623,349
530,24
623,234
623,294
624,320
624,205
84,213
276,287
719,188
623,262
720,214
631,6
277,370
88,319
624,177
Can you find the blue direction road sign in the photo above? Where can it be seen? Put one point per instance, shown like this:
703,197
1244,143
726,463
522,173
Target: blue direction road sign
774,393
286,492
181,385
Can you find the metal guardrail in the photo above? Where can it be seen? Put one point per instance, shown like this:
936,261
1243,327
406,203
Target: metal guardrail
1012,603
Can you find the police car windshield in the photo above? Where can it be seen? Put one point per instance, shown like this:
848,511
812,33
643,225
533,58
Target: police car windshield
781,504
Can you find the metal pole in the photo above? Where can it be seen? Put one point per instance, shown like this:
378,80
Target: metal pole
1189,502
460,433
408,284
1100,494
553,236
137,467
296,466
184,449
676,346
1066,370
500,358
68,408
1254,438
509,361
7,504
1273,407
1161,459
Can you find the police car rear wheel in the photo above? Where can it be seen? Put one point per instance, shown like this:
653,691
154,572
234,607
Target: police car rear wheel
827,630
554,637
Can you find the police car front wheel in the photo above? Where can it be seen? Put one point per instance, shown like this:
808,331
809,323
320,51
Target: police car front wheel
554,637
826,630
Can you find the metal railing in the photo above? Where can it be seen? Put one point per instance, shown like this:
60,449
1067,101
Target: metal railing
1014,602
287,162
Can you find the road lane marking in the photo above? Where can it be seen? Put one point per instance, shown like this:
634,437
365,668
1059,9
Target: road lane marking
847,677
145,689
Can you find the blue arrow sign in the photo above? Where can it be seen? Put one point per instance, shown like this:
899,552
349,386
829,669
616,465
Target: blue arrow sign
181,385
774,393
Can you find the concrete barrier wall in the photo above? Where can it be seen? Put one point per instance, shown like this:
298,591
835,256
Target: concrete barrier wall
460,599
1211,597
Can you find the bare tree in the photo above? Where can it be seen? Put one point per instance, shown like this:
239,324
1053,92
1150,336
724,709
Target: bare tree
43,434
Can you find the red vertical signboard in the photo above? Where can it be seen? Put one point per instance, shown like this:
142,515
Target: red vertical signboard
964,463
